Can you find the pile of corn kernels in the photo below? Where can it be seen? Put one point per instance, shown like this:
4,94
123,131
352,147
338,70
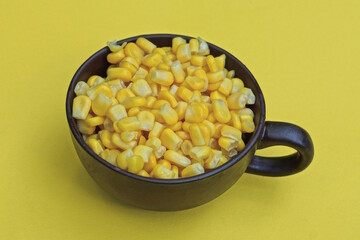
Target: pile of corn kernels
164,112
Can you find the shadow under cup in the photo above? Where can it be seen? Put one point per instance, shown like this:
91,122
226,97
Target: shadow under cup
177,194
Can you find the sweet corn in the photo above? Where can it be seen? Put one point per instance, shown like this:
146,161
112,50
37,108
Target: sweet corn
170,140
131,61
168,114
81,88
135,163
186,146
145,45
141,88
181,109
108,125
230,74
83,128
215,77
160,51
164,66
134,102
160,171
186,126
192,170
203,47
147,120
115,57
184,93
115,86
143,173
176,42
237,84
250,95
200,152
173,89
152,60
246,111
160,152
166,163
95,145
122,159
227,143
183,135
175,170
221,111
166,95
225,87
195,83
119,73
154,143
214,159
114,46
105,137
157,130
162,77
211,127
143,151
150,100
176,127
211,117
206,133
128,136
141,73
190,70
210,61
240,146
101,104
116,140
149,166
247,123
81,107
132,69
158,103
123,94
110,155
194,46
158,118
128,124
132,50
220,61
214,86
116,112
217,95
237,101
183,53
132,112
177,158
196,135
235,120
95,90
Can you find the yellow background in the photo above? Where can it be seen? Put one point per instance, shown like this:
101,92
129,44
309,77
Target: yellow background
305,56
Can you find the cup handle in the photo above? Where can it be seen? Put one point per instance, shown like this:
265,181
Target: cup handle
286,134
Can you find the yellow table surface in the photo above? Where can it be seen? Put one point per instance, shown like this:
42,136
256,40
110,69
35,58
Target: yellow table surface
305,56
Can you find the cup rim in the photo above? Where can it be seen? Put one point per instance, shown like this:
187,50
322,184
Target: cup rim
250,144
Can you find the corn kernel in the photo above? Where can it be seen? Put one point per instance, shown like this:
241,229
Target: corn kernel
123,94
203,47
177,158
152,60
211,118
166,95
175,170
141,88
237,84
160,51
132,50
227,143
94,91
186,126
128,124
215,77
145,45
83,128
147,120
192,170
122,159
114,46
221,111
217,95
211,127
231,132
101,104
185,65
132,69
149,166
230,74
131,61
183,53
196,112
119,73
237,101
150,100
135,163
132,112
186,146
206,133
181,109
166,163
168,114
246,111
108,125
134,102
110,155
162,77
235,120
170,140
194,46
81,88
117,141
176,42
141,73
176,127
163,66
160,171
128,136
196,135
210,61
220,61
157,130
183,135
214,86
105,137
81,107
200,152
158,103
115,57
143,173
214,159
95,146
225,87
240,146
116,112
247,123
250,95
195,83
160,152
184,93
143,151
154,143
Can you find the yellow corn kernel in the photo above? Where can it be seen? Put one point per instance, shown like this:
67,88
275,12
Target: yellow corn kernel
163,66
161,172
196,112
93,136
215,77
218,127
206,133
217,95
132,61
211,127
171,57
231,132
168,114
181,109
237,84
134,102
183,53
247,124
110,155
157,130
183,135
123,94
166,163
235,120
141,73
185,65
105,137
160,51
167,49
162,77
211,118
237,101
196,135
190,70
230,74
192,170
186,146
177,158
186,126
132,50
158,103
249,95
154,143
150,100
221,111
170,140
128,124
195,83
128,66
94,91
166,95
117,141
214,159
160,152
147,120
133,111
145,45
162,88
135,163
142,140
128,136
220,61
115,86
203,47
108,125
241,146
176,42
101,104
222,161
115,57
149,166
119,73
143,151
246,111
184,93
173,89
116,112
225,87
210,61
143,173
214,86
81,88
194,46
175,170
95,146
167,60
200,152
152,60
225,71
83,128
122,159
115,47
227,143
196,97
81,107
